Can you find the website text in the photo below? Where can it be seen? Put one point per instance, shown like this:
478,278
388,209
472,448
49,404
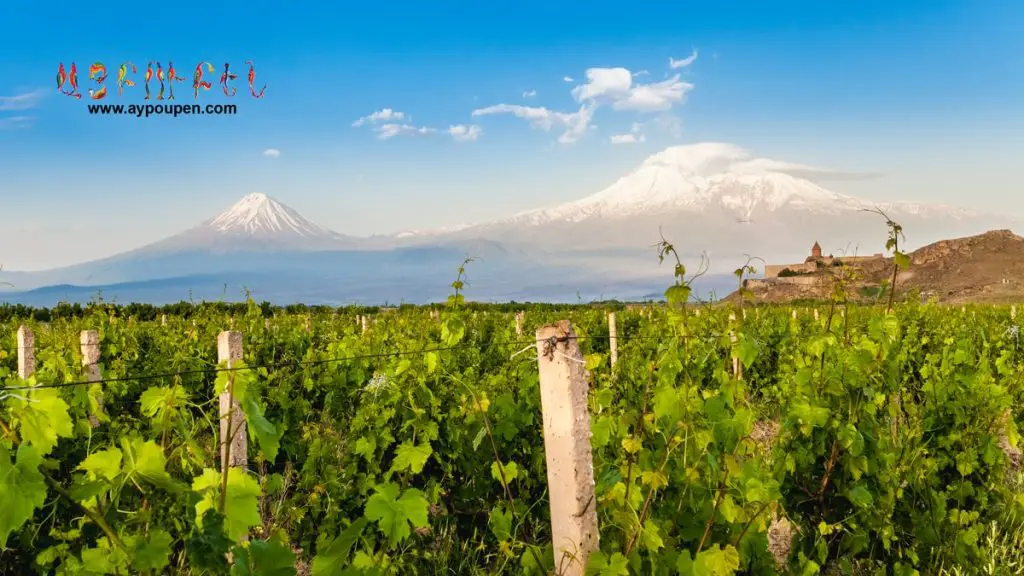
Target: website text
147,110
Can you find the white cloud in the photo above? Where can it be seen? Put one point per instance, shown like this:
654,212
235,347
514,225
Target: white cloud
463,133
673,63
384,115
21,101
655,97
575,123
386,131
615,85
641,73
634,136
604,83
627,139
529,94
13,122
567,79
272,153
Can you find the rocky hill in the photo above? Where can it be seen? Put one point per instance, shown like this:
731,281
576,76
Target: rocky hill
985,268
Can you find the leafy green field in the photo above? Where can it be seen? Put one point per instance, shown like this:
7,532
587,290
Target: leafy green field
858,442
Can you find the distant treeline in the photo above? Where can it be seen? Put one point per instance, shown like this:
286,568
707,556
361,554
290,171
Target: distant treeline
185,309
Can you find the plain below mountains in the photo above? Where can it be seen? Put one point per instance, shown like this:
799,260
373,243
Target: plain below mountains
707,199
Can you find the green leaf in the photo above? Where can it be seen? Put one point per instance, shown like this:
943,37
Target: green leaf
42,419
632,445
851,440
667,404
650,537
902,260
500,522
511,470
431,359
452,331
22,488
263,558
333,557
479,437
746,351
105,464
394,514
241,506
152,552
715,561
266,434
860,496
162,405
602,565
366,446
145,459
410,457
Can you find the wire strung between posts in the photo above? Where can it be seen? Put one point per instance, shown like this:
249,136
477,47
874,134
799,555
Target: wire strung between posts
302,363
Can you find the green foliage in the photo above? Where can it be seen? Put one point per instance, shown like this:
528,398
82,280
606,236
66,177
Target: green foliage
882,439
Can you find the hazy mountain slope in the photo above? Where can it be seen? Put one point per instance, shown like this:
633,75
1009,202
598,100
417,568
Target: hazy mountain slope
716,198
708,198
256,223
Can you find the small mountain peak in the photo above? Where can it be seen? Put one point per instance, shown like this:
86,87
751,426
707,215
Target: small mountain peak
257,214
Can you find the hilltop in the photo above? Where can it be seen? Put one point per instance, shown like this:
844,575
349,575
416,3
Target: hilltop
987,268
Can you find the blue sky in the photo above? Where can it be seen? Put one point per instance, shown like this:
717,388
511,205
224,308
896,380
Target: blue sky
926,93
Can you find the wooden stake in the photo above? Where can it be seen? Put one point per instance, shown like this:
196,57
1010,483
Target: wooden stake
737,370
234,442
90,345
26,353
613,339
570,466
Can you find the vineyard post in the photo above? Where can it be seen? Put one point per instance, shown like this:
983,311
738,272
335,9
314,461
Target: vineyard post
794,313
1013,312
613,340
567,451
233,438
696,311
26,353
90,345
163,319
732,337
815,314
519,323
365,324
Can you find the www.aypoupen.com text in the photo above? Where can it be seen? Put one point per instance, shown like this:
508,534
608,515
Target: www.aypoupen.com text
147,110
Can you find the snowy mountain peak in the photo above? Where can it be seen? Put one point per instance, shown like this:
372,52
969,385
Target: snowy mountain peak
258,214
698,177
256,223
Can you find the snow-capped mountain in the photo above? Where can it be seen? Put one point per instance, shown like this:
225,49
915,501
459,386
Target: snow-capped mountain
716,197
257,222
710,198
713,176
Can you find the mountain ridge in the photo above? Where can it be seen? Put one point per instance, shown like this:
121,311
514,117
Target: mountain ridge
709,199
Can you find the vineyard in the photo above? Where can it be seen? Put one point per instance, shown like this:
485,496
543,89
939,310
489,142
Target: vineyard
724,440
